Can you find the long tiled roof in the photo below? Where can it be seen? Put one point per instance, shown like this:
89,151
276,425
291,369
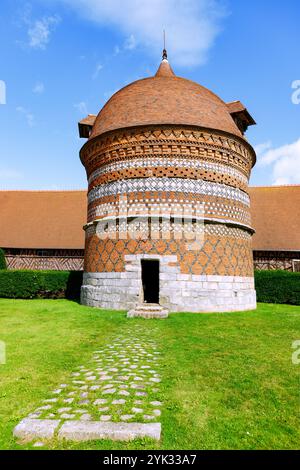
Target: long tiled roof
54,219
42,219
275,212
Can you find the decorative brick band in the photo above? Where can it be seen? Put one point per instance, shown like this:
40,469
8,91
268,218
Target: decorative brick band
174,226
62,263
168,162
173,203
170,168
163,140
169,184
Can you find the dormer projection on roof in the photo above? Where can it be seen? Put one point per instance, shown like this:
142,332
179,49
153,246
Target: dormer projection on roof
85,126
240,115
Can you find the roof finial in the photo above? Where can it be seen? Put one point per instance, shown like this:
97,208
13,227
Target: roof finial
165,55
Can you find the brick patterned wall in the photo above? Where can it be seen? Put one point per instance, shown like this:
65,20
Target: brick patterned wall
262,260
164,141
225,251
272,260
45,262
170,171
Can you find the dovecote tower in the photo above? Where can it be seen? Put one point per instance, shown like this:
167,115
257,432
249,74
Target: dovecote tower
168,206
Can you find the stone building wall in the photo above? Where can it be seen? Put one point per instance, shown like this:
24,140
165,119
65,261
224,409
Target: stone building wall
178,292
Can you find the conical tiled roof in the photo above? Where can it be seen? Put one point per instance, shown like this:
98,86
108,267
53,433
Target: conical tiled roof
165,69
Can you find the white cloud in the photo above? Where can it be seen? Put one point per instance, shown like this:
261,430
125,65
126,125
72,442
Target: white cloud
130,42
2,92
39,31
97,70
38,88
117,50
260,149
81,107
284,162
191,25
28,115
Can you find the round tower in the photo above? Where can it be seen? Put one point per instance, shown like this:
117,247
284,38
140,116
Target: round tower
168,209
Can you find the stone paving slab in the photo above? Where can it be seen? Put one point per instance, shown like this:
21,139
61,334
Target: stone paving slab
119,385
30,429
85,431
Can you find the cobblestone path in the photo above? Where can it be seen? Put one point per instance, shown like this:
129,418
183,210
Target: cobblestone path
120,384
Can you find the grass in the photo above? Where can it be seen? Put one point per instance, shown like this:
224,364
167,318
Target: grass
228,379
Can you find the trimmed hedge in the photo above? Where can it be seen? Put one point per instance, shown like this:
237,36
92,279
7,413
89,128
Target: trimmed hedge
278,287
23,284
2,259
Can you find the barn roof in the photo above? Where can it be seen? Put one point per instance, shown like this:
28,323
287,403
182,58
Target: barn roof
42,219
54,219
275,212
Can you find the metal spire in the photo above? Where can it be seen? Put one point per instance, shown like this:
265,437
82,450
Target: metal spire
165,55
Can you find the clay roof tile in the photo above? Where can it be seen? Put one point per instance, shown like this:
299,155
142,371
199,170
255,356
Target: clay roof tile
164,99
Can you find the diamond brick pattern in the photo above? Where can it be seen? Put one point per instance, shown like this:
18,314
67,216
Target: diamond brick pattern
219,255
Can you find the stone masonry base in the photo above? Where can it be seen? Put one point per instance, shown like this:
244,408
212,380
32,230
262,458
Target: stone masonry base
177,292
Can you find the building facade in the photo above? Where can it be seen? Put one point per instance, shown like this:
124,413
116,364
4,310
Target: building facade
43,229
168,205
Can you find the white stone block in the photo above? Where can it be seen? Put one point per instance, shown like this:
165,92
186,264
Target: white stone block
167,277
132,267
199,278
129,275
94,430
184,277
30,429
225,285
210,285
130,257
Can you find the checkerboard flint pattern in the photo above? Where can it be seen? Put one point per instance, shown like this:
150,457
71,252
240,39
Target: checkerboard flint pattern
180,163
173,203
169,168
171,185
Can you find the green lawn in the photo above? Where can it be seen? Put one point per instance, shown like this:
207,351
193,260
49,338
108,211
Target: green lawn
228,381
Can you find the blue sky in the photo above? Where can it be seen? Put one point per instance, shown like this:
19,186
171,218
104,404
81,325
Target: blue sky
60,59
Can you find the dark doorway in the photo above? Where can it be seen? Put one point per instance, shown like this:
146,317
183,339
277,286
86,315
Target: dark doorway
150,280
